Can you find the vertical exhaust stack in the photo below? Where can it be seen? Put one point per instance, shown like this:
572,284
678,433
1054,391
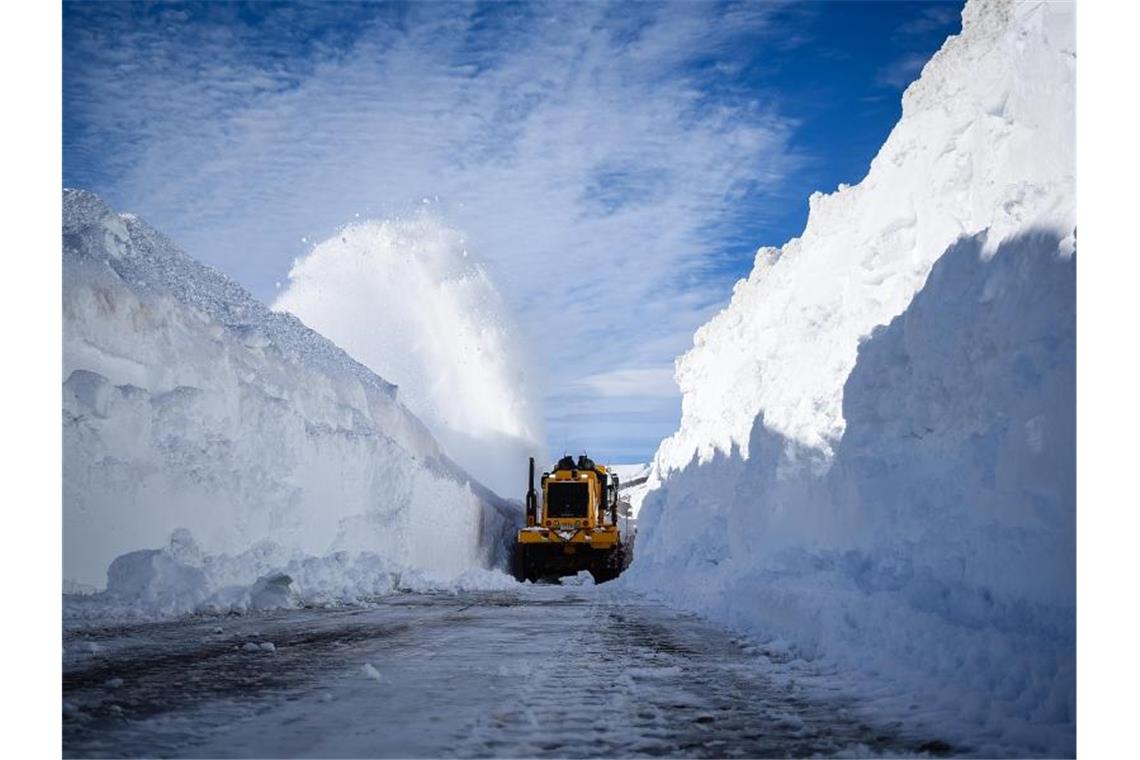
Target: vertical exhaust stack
614,505
531,499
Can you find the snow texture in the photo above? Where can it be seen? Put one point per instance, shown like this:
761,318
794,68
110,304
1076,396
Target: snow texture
876,461
187,404
181,579
985,144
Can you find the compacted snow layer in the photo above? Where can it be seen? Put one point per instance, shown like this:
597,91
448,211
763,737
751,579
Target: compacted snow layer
985,143
189,404
876,462
936,556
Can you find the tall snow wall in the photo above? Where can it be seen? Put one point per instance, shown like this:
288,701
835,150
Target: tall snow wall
876,459
187,404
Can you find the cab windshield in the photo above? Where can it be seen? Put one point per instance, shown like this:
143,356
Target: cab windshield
566,499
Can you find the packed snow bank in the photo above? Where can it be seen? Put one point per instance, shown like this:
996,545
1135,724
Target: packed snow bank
406,299
937,553
876,461
188,404
181,579
985,143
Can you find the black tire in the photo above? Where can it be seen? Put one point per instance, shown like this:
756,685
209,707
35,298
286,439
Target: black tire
519,563
602,576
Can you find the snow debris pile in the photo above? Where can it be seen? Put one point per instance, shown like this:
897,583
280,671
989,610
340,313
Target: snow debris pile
180,578
189,404
876,459
404,297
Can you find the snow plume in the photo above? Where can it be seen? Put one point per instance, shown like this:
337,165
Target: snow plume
189,404
876,460
406,298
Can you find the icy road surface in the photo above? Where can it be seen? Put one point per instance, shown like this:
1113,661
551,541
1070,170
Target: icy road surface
557,671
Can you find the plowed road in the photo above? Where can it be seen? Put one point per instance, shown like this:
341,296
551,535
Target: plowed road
534,672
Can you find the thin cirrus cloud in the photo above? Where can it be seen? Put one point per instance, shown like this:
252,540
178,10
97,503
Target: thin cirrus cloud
595,157
902,71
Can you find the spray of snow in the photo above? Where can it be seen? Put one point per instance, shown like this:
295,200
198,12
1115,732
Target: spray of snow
876,460
406,298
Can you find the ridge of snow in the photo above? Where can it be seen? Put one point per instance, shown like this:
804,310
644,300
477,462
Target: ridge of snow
189,404
985,143
181,579
875,469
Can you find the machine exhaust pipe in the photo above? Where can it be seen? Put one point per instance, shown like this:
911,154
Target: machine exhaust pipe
531,499
614,504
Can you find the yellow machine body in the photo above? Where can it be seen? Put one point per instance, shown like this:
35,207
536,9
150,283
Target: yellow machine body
574,527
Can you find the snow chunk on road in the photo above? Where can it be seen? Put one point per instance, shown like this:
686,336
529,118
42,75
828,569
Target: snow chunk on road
254,647
368,671
87,647
154,578
582,578
274,591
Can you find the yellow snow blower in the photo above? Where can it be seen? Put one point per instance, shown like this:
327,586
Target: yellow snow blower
576,526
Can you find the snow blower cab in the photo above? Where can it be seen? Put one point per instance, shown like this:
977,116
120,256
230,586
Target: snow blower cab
575,527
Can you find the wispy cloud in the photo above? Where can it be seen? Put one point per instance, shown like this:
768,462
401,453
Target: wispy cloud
920,34
933,18
637,381
902,71
576,145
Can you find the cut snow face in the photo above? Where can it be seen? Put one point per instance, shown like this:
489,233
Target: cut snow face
407,299
985,143
876,461
189,404
937,554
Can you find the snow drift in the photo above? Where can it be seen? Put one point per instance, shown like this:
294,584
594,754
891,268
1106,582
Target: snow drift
189,405
876,459
405,298
180,578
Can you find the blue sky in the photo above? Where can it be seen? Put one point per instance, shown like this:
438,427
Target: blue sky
653,146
